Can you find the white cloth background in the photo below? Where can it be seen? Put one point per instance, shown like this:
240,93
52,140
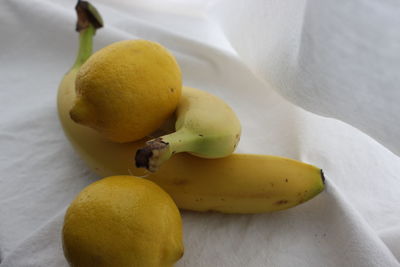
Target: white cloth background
339,59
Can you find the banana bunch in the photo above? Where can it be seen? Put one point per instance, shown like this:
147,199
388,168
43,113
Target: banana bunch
206,127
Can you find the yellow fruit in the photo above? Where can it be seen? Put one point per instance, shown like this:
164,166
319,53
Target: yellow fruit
122,221
240,183
127,90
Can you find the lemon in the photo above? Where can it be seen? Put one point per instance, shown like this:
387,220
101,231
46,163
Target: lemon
127,90
122,221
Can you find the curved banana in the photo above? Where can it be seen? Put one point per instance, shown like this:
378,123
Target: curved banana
205,127
239,183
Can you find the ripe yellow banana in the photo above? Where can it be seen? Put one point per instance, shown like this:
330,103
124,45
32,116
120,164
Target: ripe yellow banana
239,183
205,127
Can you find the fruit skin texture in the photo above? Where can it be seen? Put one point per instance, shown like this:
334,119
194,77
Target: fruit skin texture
205,126
122,221
127,90
239,183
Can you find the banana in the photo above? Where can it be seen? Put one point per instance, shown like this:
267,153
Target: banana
239,183
205,127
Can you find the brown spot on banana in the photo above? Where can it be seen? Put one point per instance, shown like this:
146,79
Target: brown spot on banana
281,202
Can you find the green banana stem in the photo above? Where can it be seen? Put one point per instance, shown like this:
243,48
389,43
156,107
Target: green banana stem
85,46
89,20
162,148
180,141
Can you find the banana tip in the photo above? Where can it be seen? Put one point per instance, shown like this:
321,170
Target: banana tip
322,176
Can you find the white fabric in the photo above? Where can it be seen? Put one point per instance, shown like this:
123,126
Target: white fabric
335,58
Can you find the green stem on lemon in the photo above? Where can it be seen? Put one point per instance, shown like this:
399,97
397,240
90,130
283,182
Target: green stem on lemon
89,20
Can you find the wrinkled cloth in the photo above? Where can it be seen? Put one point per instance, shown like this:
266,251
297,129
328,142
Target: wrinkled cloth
310,80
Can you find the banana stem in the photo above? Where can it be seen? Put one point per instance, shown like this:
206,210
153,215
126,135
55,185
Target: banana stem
89,20
162,148
85,46
180,141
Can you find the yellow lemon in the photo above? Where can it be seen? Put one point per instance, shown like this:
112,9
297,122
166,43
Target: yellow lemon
127,90
122,221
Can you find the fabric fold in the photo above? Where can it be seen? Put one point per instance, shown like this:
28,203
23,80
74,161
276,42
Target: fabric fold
351,224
